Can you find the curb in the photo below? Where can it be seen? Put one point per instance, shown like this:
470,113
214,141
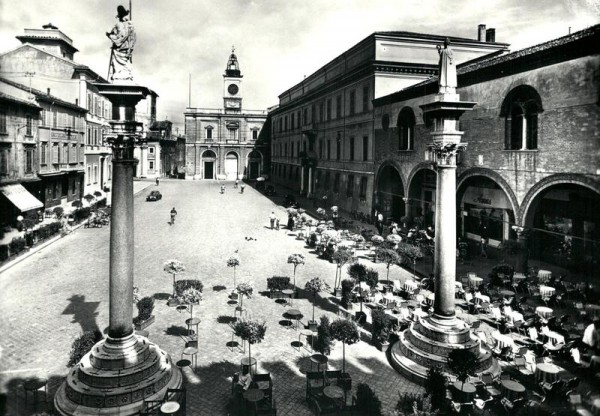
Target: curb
45,244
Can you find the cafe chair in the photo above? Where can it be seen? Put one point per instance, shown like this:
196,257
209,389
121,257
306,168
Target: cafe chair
315,382
521,365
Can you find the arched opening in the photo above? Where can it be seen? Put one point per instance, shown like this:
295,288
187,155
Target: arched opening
565,227
422,197
406,126
390,193
520,110
254,165
231,166
208,164
484,211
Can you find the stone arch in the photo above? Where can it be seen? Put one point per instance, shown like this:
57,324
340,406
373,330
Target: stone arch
254,164
517,91
208,166
232,165
405,126
208,153
556,179
490,174
417,168
389,196
421,198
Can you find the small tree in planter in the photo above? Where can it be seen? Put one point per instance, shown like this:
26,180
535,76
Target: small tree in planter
58,212
324,339
315,286
435,385
253,332
392,241
347,286
341,257
190,296
411,253
234,262
295,259
346,332
462,363
244,289
380,329
145,307
387,256
173,267
367,401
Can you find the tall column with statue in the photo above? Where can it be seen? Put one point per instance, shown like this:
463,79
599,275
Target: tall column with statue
428,342
124,370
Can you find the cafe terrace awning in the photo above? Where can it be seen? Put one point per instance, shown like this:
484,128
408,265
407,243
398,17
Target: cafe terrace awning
20,197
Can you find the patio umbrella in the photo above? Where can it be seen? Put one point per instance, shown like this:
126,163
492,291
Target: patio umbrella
260,179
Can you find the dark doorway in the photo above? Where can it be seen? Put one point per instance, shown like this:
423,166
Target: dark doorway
208,170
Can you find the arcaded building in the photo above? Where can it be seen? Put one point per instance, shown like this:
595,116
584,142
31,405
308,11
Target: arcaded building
531,168
323,141
222,143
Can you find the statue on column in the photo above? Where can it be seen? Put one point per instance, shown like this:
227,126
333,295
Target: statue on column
123,39
447,70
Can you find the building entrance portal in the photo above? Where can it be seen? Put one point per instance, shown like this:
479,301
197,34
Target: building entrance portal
390,193
231,167
209,170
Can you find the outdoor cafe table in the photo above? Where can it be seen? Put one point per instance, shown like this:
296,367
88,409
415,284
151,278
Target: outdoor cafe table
429,299
420,313
544,312
512,389
333,392
546,373
544,275
410,285
514,316
295,314
475,281
546,292
169,408
503,340
518,277
507,293
254,396
465,390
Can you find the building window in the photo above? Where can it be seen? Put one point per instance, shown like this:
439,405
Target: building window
338,106
280,124
151,164
365,99
327,179
338,148
336,183
151,150
350,186
254,134
209,130
321,149
329,109
55,190
29,161
54,118
292,121
521,109
406,127
321,115
65,158
73,154
285,153
365,148
329,149
3,120
351,148
363,188
4,161
305,116
352,102
28,129
89,102
55,153
43,151
74,187
285,123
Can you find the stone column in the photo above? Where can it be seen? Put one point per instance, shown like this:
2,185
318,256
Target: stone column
445,241
121,240
302,180
309,182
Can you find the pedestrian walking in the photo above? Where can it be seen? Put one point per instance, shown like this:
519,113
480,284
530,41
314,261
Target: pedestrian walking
236,184
379,223
484,247
222,189
277,224
242,186
272,219
157,181
173,215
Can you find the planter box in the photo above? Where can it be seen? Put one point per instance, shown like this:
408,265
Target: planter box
313,325
337,292
360,317
381,346
275,294
345,382
172,302
140,325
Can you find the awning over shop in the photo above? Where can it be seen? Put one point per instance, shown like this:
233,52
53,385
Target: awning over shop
20,197
486,198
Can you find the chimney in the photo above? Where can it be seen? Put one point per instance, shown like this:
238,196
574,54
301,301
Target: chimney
490,35
48,91
76,101
481,33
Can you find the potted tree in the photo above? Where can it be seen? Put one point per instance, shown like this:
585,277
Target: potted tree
244,289
145,318
380,329
253,332
346,332
295,259
173,267
346,298
233,262
462,363
190,297
324,339
387,256
315,286
341,257
411,253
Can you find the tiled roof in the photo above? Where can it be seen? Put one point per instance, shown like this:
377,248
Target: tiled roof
431,36
42,95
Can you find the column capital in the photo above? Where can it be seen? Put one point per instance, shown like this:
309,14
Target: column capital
444,153
521,231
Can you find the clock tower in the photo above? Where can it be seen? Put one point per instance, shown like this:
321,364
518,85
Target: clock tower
232,85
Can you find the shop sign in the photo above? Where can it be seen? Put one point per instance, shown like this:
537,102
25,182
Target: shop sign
485,197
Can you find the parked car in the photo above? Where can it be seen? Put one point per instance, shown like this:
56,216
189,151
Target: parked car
154,196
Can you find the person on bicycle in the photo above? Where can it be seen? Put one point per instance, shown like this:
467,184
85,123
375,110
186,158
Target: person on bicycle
173,214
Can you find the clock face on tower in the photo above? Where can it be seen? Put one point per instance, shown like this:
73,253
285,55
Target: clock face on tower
233,89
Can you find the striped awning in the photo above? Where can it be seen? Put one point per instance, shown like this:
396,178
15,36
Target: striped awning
20,197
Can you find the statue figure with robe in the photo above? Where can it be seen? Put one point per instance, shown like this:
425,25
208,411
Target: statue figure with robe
123,39
447,70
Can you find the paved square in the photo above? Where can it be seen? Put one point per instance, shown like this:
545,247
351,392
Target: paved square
47,300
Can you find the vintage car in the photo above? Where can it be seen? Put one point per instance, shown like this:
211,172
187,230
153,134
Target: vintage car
154,196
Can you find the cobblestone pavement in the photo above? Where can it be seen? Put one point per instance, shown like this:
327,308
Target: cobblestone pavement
47,300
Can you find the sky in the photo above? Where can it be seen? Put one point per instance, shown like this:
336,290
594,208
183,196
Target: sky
277,42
